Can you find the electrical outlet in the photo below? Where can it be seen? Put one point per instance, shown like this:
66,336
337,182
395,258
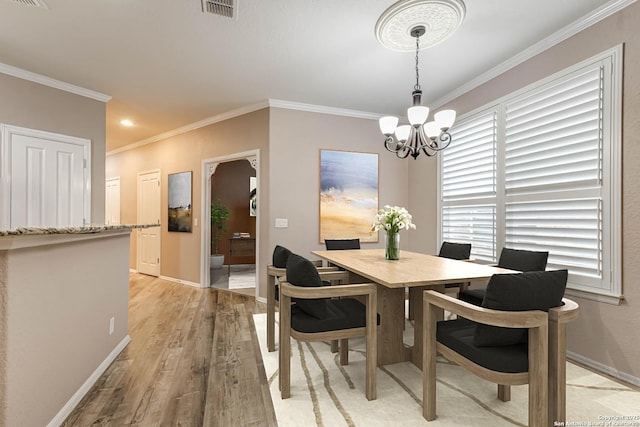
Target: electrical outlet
112,325
282,223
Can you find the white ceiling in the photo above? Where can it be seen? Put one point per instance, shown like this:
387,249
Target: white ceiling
166,64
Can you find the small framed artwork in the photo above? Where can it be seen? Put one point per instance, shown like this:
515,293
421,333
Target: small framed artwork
180,202
348,195
253,199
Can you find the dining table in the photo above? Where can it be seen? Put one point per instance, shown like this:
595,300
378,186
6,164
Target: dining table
413,270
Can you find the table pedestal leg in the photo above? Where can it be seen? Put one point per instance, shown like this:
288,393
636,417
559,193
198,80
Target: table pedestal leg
391,349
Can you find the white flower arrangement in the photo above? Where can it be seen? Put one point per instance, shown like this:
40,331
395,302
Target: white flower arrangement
392,219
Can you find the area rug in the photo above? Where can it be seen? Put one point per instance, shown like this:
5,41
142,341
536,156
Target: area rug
323,393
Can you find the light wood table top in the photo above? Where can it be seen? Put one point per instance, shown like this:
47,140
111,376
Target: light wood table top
415,271
412,269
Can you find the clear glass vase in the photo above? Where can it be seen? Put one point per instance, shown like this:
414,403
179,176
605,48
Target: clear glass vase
392,246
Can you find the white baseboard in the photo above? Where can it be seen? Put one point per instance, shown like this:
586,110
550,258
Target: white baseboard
182,282
604,368
84,389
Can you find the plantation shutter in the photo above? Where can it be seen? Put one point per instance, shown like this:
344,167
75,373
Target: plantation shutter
539,169
553,173
469,186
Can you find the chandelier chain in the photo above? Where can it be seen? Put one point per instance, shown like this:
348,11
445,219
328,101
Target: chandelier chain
417,86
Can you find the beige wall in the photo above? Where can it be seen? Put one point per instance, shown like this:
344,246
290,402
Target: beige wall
604,334
289,143
32,105
59,300
296,138
180,252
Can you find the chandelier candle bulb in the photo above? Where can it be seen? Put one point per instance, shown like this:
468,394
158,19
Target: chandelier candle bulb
388,125
417,115
402,133
445,119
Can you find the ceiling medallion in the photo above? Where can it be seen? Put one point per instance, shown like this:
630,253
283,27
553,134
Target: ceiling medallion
440,18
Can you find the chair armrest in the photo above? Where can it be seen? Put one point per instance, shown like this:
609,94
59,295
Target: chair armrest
303,292
276,271
280,272
505,319
565,313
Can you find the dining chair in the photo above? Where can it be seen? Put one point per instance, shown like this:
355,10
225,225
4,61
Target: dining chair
276,271
324,313
341,244
457,251
512,259
508,340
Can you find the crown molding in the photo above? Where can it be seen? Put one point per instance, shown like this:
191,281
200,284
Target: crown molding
272,103
193,126
289,105
572,29
48,81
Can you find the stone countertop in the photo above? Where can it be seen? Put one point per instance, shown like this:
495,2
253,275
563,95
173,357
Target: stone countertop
87,229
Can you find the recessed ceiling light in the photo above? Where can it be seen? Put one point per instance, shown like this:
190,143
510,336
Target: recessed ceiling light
126,122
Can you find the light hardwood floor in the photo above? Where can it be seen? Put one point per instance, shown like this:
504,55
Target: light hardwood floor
193,360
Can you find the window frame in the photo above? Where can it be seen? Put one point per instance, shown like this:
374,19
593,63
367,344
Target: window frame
611,290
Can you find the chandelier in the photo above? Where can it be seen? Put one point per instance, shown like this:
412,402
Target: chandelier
437,19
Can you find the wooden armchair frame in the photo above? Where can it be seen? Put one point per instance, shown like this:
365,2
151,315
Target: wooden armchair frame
558,319
537,376
368,290
330,274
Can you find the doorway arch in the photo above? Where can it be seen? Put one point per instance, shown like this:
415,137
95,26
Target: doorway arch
208,169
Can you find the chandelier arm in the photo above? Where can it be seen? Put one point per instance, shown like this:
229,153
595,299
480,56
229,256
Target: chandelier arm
443,141
389,140
425,142
403,151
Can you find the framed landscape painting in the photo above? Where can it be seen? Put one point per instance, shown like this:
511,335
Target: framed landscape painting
348,195
180,202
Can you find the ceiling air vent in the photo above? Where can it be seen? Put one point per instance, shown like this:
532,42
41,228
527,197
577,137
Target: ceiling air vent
37,3
219,7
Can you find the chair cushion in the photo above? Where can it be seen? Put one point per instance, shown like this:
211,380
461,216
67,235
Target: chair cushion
459,334
534,290
473,296
515,259
455,250
345,313
301,272
280,256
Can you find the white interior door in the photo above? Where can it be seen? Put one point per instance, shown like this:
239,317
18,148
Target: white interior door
45,179
112,201
149,209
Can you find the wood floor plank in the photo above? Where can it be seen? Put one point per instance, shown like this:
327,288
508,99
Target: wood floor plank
234,376
183,340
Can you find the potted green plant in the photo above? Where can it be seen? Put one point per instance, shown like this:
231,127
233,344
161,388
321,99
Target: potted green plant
219,216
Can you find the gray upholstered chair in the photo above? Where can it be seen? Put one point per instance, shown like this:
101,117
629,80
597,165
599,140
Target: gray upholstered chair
457,251
516,337
341,244
276,271
512,259
317,316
